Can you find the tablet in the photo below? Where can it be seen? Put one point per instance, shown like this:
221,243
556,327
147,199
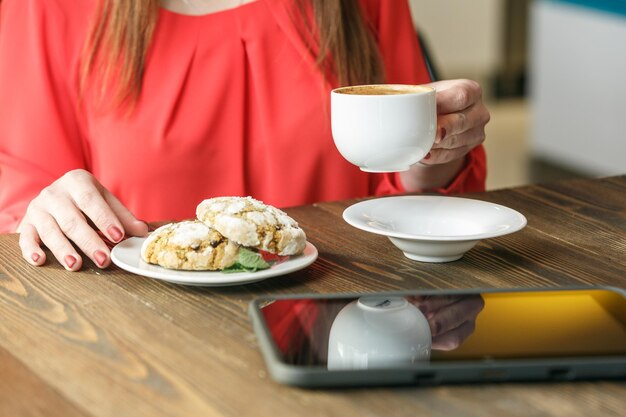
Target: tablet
436,337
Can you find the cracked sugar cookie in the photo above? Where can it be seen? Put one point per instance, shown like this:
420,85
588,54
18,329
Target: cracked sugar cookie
189,245
251,223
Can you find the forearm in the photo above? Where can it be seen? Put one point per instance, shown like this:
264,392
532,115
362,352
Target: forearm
428,177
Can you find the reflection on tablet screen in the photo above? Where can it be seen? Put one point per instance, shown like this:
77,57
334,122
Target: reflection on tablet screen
378,332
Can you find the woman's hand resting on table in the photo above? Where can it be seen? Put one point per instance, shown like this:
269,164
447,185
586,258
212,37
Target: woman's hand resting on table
461,120
72,210
452,319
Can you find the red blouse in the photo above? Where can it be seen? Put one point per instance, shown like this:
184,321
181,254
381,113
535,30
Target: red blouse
232,104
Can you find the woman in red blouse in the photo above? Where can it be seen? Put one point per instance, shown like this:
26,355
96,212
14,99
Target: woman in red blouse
117,110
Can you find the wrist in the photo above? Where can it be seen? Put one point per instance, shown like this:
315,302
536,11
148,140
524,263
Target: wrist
422,178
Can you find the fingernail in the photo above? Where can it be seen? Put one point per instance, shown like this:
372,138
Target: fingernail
35,257
100,257
427,156
69,261
442,134
115,233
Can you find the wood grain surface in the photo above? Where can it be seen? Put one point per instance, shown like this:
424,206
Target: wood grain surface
109,343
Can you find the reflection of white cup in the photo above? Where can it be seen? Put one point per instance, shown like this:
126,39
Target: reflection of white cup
384,128
378,332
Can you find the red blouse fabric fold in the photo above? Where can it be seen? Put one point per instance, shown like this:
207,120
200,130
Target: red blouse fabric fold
232,104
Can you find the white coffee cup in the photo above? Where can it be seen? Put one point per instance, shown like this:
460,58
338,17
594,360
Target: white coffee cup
384,127
378,332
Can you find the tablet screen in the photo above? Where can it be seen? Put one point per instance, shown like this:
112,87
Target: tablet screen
386,331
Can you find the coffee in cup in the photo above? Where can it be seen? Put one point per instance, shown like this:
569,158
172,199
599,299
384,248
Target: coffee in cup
383,127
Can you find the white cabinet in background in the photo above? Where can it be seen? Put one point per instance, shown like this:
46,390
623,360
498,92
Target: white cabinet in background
578,86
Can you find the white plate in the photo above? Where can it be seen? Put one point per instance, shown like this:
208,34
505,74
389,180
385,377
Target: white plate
434,228
127,255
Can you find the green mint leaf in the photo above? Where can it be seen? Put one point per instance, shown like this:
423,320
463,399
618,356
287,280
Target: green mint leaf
247,261
236,267
251,260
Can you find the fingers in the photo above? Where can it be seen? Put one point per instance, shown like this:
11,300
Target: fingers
461,120
452,319
75,227
52,236
62,216
451,316
30,244
454,338
455,147
131,225
454,124
443,156
453,322
470,138
87,197
456,95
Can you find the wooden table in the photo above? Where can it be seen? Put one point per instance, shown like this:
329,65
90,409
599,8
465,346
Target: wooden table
108,343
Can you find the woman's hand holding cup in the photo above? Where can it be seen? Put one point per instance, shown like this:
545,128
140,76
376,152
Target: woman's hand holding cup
390,128
461,120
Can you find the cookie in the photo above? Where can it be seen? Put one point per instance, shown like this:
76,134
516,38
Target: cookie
189,245
251,223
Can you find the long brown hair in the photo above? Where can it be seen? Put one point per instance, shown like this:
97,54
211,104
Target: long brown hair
345,45
121,31
117,45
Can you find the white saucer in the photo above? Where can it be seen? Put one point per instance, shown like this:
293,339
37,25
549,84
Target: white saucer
434,228
127,255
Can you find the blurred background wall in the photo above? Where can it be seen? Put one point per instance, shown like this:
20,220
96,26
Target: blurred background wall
553,73
578,93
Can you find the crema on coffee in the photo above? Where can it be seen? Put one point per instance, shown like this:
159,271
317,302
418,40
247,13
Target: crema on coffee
382,90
